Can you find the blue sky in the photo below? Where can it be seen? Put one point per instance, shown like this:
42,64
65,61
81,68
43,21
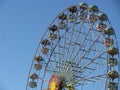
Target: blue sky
23,23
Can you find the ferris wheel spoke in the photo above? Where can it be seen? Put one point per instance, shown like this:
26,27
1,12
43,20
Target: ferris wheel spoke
54,58
89,48
57,54
73,74
86,52
69,58
62,52
76,40
71,34
75,43
91,79
82,43
67,52
89,59
73,60
59,50
63,58
50,64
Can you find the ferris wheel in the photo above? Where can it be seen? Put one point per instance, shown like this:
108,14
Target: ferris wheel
78,51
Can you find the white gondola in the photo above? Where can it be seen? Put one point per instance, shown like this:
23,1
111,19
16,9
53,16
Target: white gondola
32,84
62,25
108,42
38,66
38,58
44,50
33,76
52,36
112,62
113,74
101,27
112,86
